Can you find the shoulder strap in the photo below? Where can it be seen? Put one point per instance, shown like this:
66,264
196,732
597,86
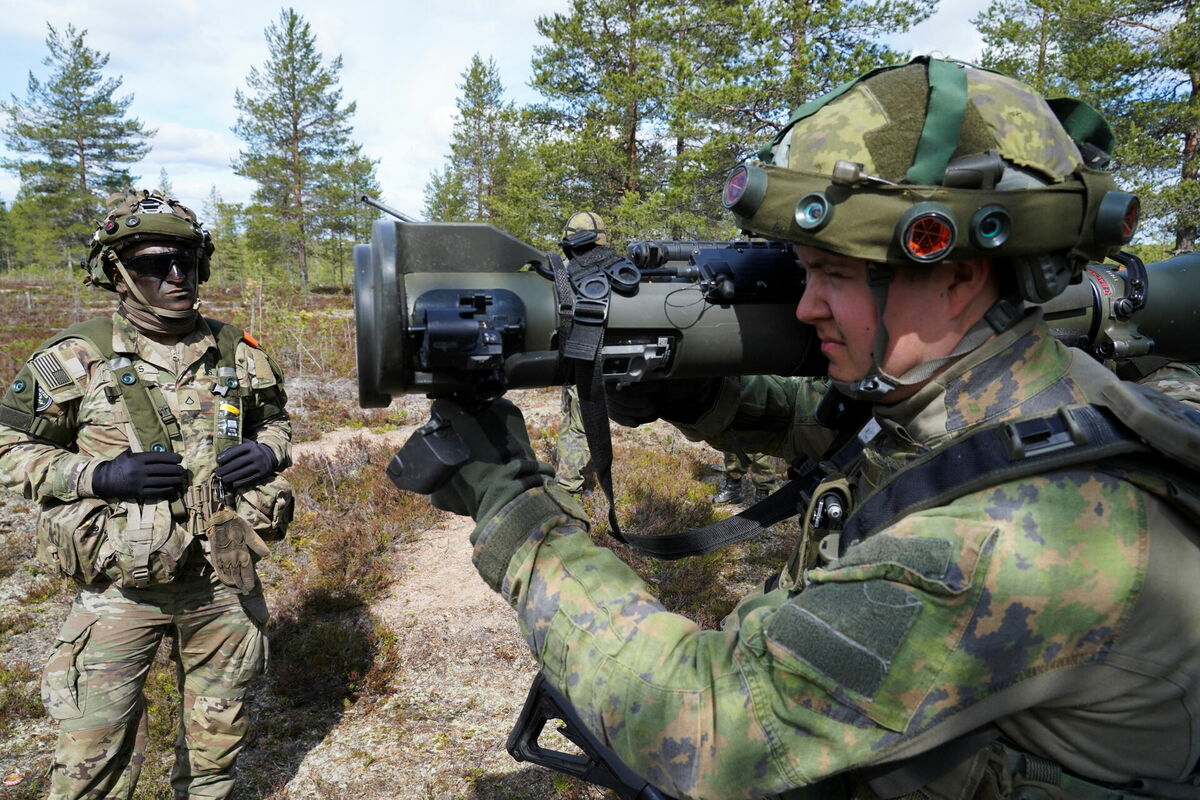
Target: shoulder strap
227,337
992,456
97,332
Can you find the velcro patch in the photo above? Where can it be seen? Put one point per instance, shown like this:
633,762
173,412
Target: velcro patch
848,632
50,371
927,557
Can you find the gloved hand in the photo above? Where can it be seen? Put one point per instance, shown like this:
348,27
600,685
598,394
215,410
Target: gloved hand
139,476
502,463
682,400
245,464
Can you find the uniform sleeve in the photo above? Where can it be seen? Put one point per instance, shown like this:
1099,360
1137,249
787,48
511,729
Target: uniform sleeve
764,414
1178,381
268,422
895,644
37,452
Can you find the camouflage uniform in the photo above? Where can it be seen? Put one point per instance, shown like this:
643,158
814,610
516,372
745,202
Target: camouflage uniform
737,464
573,456
93,680
1036,605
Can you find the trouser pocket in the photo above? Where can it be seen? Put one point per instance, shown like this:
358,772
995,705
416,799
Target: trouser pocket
64,684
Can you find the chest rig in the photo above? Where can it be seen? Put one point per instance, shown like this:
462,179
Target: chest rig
148,544
156,427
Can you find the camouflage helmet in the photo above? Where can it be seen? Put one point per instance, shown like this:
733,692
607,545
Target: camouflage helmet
938,160
587,221
145,217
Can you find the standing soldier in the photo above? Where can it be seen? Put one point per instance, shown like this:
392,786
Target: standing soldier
153,440
573,455
995,595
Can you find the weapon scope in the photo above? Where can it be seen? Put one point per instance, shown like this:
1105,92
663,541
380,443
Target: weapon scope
465,308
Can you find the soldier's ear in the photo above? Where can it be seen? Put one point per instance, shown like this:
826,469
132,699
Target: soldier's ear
117,280
966,281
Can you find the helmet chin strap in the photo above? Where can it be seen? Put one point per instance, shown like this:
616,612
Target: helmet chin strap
877,384
149,318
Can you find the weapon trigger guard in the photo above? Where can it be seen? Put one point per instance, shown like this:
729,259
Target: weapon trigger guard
430,458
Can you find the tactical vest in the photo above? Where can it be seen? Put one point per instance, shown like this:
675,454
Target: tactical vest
147,542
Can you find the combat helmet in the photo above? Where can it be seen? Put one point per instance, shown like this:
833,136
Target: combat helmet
587,221
141,217
940,160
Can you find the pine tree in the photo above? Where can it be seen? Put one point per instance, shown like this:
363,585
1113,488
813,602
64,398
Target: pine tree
164,183
1138,62
344,221
75,137
6,239
482,149
295,128
658,99
225,222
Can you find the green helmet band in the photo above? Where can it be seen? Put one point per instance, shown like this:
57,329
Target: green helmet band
934,160
901,224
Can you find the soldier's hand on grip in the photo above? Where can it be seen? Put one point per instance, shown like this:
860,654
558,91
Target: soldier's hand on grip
245,464
139,476
501,463
681,400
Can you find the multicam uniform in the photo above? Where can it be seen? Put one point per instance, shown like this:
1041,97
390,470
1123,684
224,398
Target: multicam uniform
573,455
759,466
93,681
1062,609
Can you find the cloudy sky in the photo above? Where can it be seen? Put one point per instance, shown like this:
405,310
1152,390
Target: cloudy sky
182,61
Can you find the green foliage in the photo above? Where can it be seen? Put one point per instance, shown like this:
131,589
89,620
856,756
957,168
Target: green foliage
297,135
7,243
76,143
1139,63
647,105
483,146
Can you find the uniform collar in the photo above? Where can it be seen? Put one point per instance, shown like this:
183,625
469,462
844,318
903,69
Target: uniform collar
992,383
128,340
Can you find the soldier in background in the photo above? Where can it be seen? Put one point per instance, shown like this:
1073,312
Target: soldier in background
737,464
153,440
573,455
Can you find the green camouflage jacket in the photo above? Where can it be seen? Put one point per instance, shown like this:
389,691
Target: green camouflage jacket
71,391
1063,608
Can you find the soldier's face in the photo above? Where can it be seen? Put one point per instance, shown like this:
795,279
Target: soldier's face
928,310
165,274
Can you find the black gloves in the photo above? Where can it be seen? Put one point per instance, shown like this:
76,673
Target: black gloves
245,464
139,476
683,400
501,464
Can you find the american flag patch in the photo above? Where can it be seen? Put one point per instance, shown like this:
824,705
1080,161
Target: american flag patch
50,371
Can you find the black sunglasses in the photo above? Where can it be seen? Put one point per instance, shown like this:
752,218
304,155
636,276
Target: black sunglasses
159,265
